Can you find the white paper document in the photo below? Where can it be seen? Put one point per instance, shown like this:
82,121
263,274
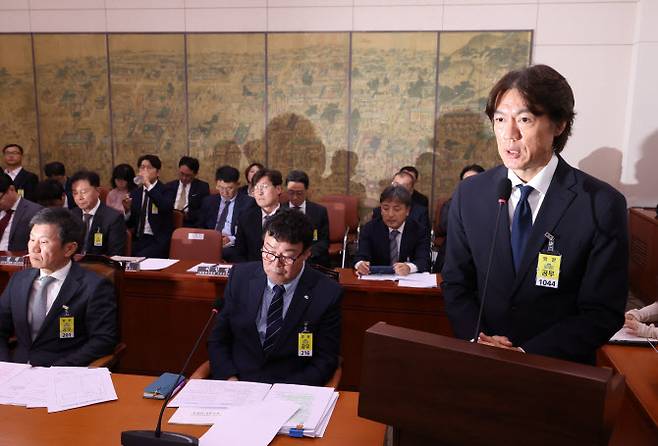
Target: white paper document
28,388
156,264
418,280
251,425
73,387
219,394
203,416
10,369
127,259
379,277
623,336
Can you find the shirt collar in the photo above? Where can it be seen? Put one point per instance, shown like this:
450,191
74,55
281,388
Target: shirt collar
400,229
15,171
272,213
94,209
539,182
60,274
292,284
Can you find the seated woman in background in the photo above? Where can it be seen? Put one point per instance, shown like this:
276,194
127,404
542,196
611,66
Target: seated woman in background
122,185
249,173
635,321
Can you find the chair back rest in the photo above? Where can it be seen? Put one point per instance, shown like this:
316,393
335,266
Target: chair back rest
337,223
178,217
438,204
204,245
103,191
128,247
351,208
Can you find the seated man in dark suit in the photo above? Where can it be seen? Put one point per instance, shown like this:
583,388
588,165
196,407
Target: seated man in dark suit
188,191
297,187
57,171
418,213
61,314
105,228
249,238
16,213
50,194
395,239
25,181
416,197
221,212
149,211
268,304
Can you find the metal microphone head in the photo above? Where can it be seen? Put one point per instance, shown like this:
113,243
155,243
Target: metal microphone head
138,180
504,190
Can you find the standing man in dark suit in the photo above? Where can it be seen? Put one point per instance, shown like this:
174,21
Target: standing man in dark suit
221,212
416,197
25,182
61,314
297,186
271,306
559,280
394,239
249,238
16,213
188,191
105,228
149,211
417,212
57,171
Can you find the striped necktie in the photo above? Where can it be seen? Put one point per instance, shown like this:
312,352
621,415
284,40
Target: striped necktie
274,318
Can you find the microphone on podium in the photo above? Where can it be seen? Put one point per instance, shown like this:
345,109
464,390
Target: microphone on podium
504,190
157,437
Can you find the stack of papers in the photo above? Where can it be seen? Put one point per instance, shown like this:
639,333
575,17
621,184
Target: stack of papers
208,401
57,388
415,280
623,336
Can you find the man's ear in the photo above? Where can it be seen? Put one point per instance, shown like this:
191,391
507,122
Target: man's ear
70,248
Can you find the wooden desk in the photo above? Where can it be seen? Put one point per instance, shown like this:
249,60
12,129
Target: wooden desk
643,261
637,422
102,424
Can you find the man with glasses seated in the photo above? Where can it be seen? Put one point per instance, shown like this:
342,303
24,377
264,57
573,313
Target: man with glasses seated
280,320
221,212
249,237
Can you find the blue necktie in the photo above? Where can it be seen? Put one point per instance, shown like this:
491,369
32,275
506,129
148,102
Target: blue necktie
521,226
274,318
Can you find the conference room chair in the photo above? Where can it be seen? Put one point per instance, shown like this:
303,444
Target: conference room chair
438,237
338,230
128,247
351,208
178,218
203,245
103,191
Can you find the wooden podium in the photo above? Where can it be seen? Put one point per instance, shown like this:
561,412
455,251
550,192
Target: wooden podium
436,390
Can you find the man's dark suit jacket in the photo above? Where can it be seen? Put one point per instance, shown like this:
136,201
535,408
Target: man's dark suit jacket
27,181
320,220
419,214
420,199
19,232
209,213
199,190
68,190
587,217
249,238
92,303
161,222
111,224
374,245
234,346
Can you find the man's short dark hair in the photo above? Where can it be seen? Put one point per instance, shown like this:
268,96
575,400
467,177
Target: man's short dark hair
12,145
298,176
91,177
228,174
190,162
70,229
5,182
291,226
54,168
396,193
471,167
404,173
49,192
274,176
411,169
246,171
154,160
545,91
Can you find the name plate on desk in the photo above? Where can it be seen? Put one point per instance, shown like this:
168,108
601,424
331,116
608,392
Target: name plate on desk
213,270
132,267
12,260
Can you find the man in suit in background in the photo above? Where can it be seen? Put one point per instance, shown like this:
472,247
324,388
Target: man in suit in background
268,304
249,238
394,239
149,211
297,186
57,171
188,191
61,314
559,281
221,212
105,228
417,212
16,213
416,197
25,181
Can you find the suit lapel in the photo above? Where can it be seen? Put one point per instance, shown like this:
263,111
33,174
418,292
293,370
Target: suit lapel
66,292
24,291
18,215
257,286
503,262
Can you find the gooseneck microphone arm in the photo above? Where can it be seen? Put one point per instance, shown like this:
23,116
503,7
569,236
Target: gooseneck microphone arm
504,191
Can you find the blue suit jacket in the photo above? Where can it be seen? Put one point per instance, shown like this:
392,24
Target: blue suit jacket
587,218
199,190
210,211
374,244
92,303
234,345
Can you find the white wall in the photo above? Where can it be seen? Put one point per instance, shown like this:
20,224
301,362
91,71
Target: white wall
608,50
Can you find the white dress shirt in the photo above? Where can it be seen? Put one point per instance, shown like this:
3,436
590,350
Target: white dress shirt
53,289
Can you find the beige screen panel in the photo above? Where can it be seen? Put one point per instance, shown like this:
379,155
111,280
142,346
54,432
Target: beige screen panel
308,100
147,75
393,106
73,96
226,91
18,121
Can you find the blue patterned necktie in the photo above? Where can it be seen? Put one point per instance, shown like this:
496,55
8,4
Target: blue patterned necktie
521,225
274,318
